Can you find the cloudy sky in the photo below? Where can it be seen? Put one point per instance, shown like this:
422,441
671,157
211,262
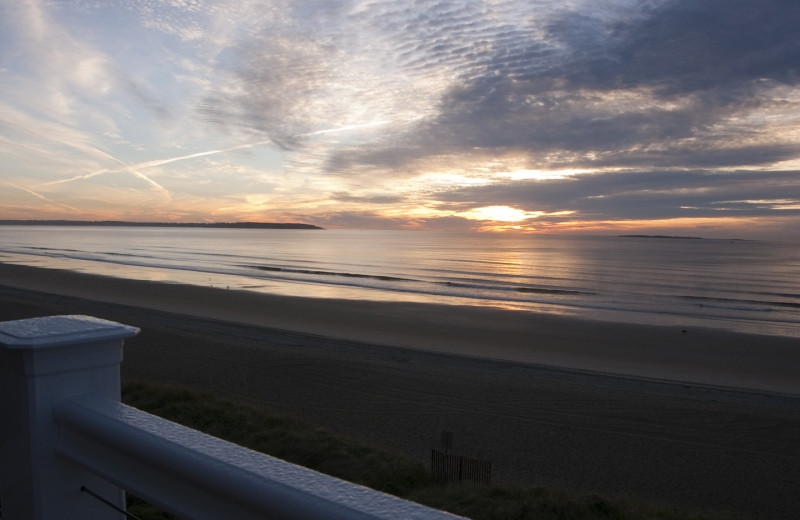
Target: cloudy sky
589,116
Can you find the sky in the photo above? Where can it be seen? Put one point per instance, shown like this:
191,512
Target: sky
569,116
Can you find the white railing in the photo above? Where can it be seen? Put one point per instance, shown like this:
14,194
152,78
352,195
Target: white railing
69,448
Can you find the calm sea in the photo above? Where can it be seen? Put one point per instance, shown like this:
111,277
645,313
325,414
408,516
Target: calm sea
749,286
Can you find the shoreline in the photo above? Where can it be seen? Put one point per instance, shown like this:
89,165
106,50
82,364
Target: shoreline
697,355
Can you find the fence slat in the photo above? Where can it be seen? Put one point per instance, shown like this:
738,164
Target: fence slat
448,468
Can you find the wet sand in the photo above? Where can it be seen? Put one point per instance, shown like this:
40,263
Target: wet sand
702,419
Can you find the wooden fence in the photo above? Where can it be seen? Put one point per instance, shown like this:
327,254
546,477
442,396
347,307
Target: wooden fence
448,468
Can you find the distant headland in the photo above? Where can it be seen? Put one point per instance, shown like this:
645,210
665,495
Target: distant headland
660,236
121,223
683,237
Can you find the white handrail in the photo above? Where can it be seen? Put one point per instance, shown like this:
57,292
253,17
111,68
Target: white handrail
65,430
153,458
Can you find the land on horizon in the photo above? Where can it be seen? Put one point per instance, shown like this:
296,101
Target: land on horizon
660,236
248,225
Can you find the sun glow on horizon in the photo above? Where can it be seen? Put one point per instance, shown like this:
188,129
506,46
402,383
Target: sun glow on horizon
498,219
498,213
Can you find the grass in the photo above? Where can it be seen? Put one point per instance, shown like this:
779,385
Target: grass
304,444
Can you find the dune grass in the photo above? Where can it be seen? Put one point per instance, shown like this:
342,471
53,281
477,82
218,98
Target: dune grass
304,444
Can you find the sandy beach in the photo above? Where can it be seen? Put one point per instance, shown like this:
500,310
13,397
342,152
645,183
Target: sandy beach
698,418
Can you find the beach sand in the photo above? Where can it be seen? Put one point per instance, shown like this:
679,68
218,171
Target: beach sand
703,419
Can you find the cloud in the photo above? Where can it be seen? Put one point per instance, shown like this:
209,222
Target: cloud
666,86
277,81
686,47
378,199
333,64
637,194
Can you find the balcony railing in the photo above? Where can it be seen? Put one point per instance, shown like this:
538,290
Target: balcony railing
70,449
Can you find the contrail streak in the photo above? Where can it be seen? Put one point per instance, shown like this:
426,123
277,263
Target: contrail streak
347,127
39,196
159,162
133,169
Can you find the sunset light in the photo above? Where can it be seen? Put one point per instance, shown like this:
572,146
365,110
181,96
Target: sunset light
454,118
499,213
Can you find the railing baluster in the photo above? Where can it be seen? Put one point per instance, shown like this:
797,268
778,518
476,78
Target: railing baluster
109,503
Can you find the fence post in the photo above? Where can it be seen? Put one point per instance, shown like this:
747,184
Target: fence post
43,361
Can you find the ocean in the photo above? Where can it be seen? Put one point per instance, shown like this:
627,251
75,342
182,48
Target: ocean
745,286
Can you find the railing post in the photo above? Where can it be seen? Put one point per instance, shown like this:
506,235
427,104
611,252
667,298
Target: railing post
42,362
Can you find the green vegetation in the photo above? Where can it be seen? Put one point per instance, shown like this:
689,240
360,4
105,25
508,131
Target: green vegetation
304,444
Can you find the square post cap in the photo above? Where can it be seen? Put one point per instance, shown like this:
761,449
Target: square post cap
59,331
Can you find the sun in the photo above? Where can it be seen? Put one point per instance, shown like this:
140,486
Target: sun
498,214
